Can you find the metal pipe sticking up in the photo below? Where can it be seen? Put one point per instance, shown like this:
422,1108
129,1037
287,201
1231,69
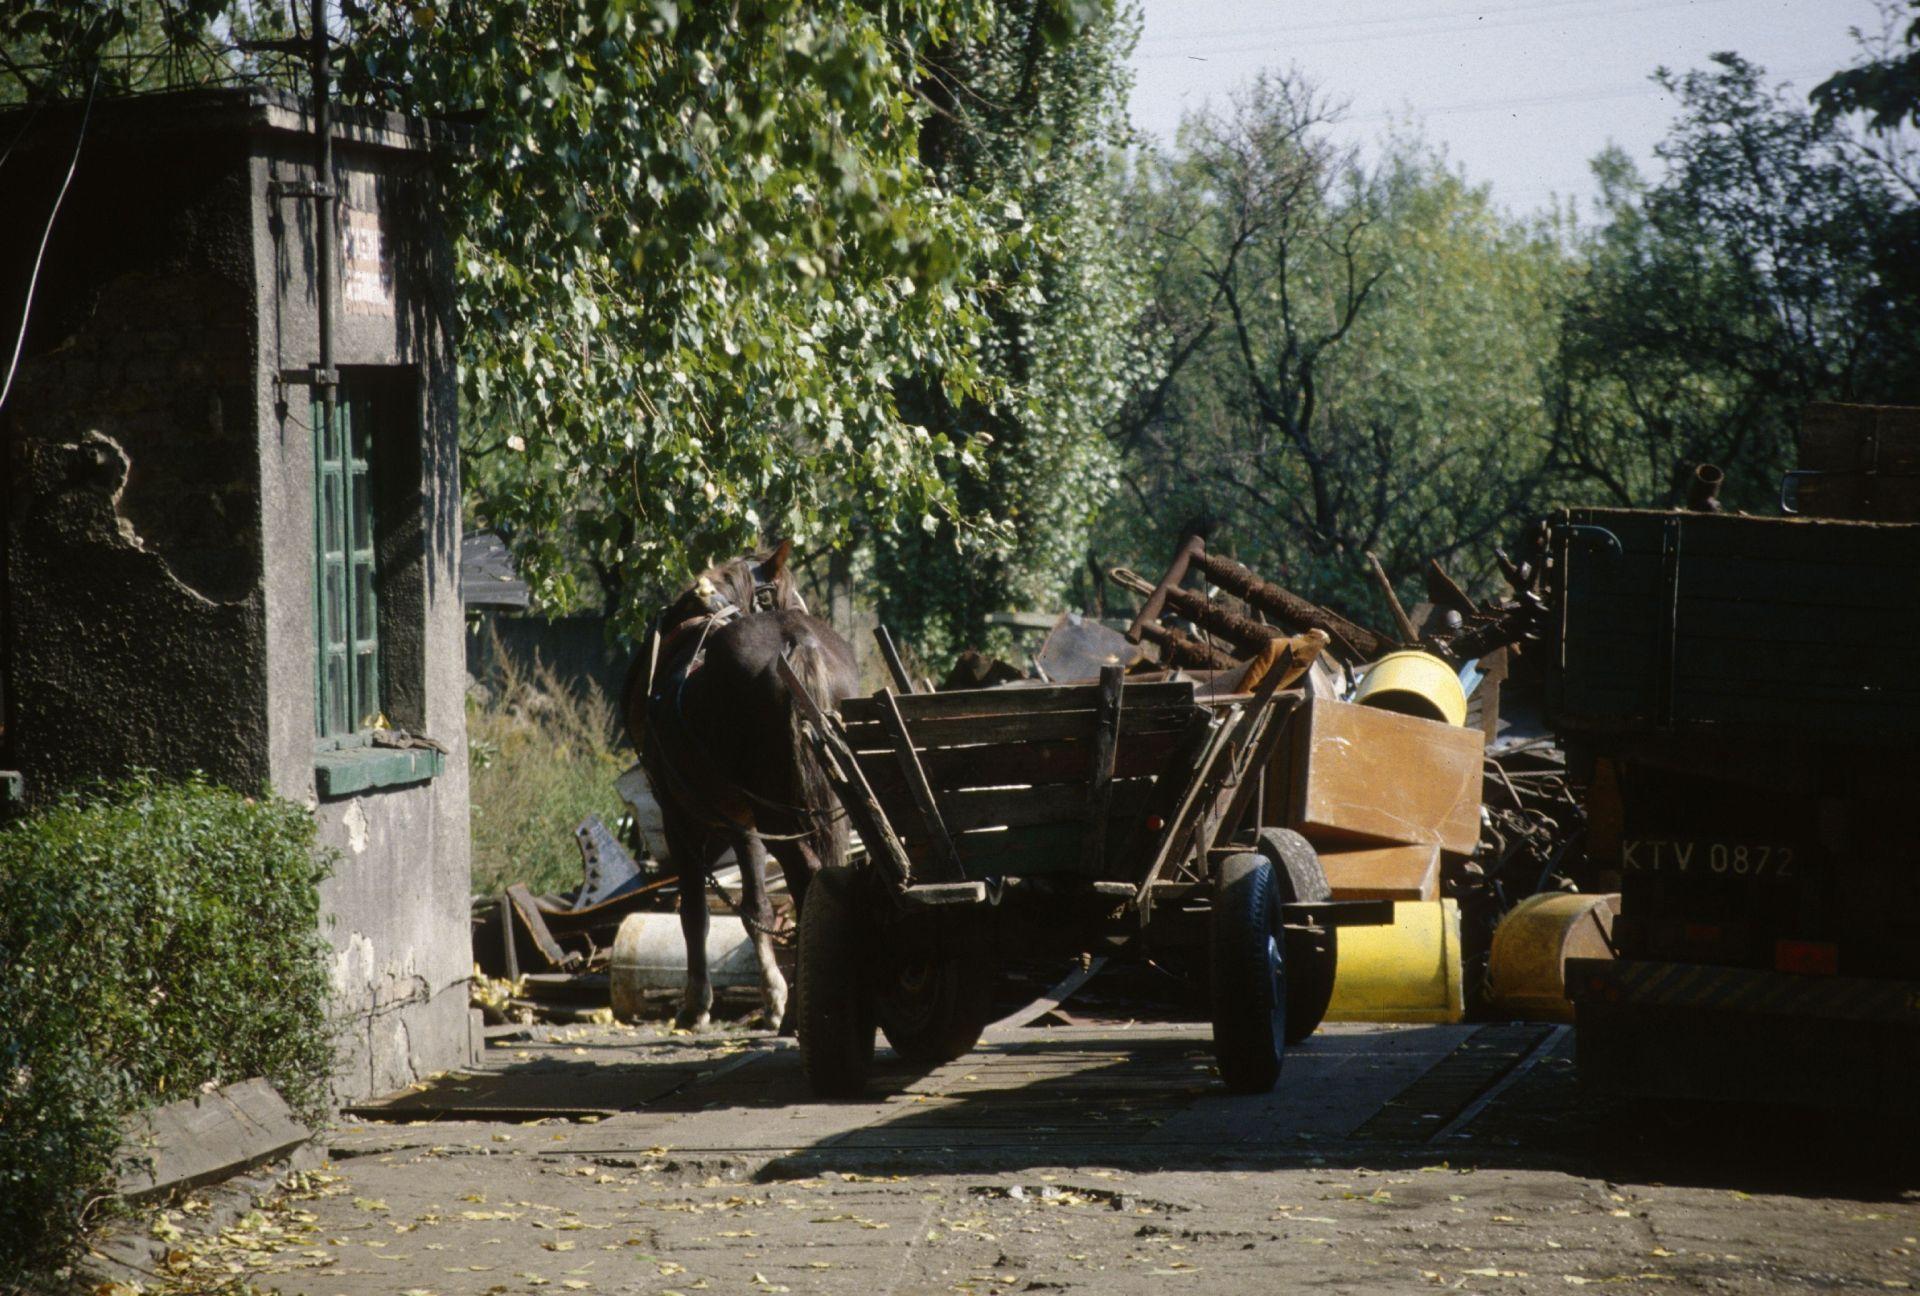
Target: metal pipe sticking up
1703,488
326,243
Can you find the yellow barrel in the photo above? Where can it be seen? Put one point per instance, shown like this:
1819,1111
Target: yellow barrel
1408,972
1414,683
1526,973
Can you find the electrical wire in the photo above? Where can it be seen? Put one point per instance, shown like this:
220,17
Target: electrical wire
33,280
1516,18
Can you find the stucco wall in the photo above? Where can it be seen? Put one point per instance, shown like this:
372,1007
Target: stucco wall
396,908
132,509
159,603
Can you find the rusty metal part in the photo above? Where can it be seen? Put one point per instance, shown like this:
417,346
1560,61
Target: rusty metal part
1703,488
1178,648
1244,633
1408,634
1444,591
1157,595
1353,640
1512,626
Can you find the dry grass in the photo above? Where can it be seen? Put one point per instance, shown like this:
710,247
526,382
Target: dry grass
544,757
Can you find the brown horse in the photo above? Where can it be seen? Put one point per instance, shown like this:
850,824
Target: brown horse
719,736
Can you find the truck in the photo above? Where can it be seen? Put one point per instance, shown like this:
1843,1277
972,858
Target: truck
1740,698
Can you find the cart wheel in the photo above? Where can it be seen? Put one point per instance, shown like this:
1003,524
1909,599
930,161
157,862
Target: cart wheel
835,995
1249,974
1311,959
934,1004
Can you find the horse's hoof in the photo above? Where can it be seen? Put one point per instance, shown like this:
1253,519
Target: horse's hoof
687,1021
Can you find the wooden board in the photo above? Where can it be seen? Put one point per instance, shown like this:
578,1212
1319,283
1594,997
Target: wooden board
1363,776
1381,872
1019,764
1016,699
1037,726
205,1138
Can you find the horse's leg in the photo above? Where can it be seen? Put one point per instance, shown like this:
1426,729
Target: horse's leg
692,851
757,909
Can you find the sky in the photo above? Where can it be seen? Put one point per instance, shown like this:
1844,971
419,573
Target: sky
1521,93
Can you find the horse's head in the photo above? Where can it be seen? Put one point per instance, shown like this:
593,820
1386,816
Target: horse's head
749,583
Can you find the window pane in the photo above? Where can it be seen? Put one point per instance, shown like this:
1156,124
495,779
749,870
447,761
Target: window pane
361,428
366,627
329,432
366,686
330,511
333,594
362,512
336,720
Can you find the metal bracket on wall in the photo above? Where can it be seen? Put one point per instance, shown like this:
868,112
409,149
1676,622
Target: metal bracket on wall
313,376
300,189
13,788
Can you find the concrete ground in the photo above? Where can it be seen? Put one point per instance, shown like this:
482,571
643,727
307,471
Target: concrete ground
1088,1159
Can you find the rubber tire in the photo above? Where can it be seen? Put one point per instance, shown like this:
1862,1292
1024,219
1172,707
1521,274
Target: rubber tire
1248,991
941,1019
835,1007
1311,960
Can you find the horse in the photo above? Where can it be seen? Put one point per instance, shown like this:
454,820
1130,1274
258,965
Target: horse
719,737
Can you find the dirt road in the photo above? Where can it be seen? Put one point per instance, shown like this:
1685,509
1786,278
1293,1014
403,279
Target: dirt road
1092,1160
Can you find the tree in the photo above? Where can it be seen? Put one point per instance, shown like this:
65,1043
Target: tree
1032,132
1720,300
697,248
1337,360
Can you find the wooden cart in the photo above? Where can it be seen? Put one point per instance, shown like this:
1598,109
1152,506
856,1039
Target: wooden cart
1121,816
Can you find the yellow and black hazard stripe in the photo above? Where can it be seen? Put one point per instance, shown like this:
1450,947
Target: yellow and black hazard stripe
1759,991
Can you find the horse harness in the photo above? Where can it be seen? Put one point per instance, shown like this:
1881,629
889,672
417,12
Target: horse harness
666,645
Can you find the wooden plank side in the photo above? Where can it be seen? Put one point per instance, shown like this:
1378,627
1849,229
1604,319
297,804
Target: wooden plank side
1364,775
1020,764
1045,726
204,1138
1106,737
935,828
1016,699
1019,807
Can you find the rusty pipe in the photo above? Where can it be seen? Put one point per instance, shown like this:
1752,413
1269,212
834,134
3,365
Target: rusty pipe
1703,488
1178,648
1356,640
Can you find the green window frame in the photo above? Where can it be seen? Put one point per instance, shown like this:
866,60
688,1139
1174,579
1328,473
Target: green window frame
346,596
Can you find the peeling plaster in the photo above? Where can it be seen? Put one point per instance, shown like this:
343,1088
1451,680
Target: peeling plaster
355,822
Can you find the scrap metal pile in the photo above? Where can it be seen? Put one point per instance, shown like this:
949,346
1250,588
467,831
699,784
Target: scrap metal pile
1406,772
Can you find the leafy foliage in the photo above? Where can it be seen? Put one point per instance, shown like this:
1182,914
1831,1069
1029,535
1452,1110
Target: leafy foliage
1031,130
697,246
1337,359
542,758
1885,86
1720,300
156,937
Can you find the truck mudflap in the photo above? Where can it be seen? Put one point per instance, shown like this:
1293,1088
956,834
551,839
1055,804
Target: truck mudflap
1701,1032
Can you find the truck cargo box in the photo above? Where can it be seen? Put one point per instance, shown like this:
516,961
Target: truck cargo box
1715,623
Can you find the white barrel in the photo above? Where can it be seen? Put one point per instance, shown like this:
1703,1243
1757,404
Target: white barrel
650,955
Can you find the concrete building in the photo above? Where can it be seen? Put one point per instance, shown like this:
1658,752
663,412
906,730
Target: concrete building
194,578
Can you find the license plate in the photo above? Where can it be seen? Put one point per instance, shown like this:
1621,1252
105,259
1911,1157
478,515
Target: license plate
1769,860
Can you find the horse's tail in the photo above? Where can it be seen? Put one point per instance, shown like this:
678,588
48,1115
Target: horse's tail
826,826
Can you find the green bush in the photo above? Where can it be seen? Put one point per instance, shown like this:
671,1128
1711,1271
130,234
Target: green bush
155,938
541,757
